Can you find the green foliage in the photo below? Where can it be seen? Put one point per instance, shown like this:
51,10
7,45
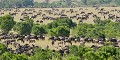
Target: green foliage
79,50
38,30
112,29
41,55
27,3
6,23
3,48
60,31
22,28
103,53
74,50
100,28
108,50
56,56
72,57
7,56
84,2
10,56
95,2
61,22
16,3
77,3
91,55
29,21
60,27
117,2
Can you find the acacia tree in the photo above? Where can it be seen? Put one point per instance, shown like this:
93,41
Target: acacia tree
61,22
60,31
38,30
29,21
22,28
6,23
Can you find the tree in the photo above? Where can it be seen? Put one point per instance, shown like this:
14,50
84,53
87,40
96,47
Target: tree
71,57
56,56
93,2
7,56
107,1
68,3
74,50
16,3
41,55
62,22
104,28
112,29
21,57
11,56
3,48
29,21
6,23
84,2
108,50
63,31
82,29
22,28
38,30
117,2
27,3
90,55
60,31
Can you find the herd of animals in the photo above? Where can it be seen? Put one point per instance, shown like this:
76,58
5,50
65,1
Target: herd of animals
61,44
81,14
47,15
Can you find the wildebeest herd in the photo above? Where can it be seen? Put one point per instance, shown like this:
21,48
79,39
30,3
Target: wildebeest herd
25,44
18,44
46,15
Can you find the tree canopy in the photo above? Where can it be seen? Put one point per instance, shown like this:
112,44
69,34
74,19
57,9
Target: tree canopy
22,28
108,28
6,23
60,31
39,30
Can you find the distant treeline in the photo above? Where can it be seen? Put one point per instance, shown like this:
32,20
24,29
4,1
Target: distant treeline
61,3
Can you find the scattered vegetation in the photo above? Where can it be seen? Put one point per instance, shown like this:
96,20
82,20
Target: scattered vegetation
61,27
